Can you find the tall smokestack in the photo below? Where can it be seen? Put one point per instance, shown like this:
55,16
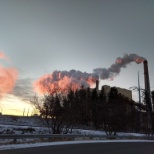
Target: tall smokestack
147,93
97,85
147,85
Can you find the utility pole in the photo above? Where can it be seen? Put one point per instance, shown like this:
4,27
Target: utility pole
139,95
139,90
23,112
27,112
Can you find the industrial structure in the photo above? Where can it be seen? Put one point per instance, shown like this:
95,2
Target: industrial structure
147,92
125,92
147,86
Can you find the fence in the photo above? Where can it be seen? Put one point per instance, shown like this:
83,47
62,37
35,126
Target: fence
72,136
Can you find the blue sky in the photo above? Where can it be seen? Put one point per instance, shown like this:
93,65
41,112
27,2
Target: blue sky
40,36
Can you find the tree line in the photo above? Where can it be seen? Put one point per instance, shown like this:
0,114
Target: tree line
110,111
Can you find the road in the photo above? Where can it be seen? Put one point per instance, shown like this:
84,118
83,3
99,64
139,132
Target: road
90,148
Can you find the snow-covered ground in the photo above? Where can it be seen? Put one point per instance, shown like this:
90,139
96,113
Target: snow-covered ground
94,132
14,129
6,129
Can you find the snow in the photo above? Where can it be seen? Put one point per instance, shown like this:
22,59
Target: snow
45,130
96,132
23,143
18,129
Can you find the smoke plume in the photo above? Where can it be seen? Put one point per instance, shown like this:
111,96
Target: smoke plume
62,81
8,77
115,68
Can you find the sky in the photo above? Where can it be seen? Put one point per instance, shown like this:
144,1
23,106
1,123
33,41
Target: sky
41,36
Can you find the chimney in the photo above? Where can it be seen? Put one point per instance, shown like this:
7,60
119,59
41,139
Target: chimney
147,85
147,94
97,85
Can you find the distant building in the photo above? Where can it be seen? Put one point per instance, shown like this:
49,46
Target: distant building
125,92
22,120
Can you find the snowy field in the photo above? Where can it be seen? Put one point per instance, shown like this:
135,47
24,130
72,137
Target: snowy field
14,129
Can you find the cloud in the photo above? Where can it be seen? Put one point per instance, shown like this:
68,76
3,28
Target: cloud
23,89
8,77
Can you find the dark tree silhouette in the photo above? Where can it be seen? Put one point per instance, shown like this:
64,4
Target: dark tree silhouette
111,112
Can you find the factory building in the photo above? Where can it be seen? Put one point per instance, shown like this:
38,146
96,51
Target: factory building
125,92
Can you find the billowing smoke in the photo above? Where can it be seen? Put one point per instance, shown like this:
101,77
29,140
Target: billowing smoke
62,81
114,69
8,77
